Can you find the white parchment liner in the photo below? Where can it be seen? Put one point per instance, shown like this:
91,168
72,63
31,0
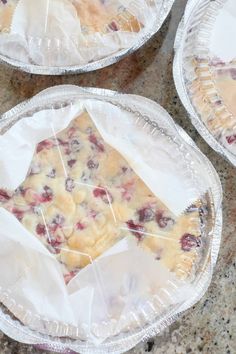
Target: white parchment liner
33,277
48,33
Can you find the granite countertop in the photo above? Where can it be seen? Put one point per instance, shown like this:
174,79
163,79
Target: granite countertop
210,326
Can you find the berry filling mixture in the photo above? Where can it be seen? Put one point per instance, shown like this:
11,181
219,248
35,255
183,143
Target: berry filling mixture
81,197
94,16
105,16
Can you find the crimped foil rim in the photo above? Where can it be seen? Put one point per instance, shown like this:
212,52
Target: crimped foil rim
24,334
99,64
182,91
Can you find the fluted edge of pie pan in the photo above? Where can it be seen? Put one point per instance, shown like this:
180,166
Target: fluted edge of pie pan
180,81
16,330
99,64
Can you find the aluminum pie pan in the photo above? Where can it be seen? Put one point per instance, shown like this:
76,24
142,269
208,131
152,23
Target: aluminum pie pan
21,333
98,64
195,9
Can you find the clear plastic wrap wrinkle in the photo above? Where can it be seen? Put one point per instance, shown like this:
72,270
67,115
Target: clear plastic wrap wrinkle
75,35
123,257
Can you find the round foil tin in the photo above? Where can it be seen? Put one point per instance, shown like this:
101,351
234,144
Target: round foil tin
193,41
164,7
60,97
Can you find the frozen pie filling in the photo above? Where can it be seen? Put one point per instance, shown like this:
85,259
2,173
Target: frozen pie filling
88,30
214,95
94,15
105,16
81,197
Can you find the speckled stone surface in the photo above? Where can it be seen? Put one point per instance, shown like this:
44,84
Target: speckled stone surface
210,326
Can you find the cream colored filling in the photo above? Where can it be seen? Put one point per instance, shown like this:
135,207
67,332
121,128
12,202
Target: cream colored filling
97,208
100,17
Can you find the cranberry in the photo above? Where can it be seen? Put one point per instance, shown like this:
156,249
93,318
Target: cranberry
99,192
218,102
69,184
80,226
55,243
52,173
189,241
69,276
58,220
46,144
41,229
164,221
103,194
93,139
92,165
136,229
71,163
4,196
47,195
231,139
19,214
75,145
146,214
113,26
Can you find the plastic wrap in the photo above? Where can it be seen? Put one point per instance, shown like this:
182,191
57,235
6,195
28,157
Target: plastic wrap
204,71
68,36
127,292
